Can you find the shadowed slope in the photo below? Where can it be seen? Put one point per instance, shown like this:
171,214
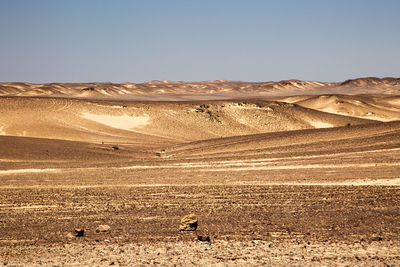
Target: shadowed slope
352,138
26,154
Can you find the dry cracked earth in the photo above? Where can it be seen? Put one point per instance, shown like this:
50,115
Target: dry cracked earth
297,179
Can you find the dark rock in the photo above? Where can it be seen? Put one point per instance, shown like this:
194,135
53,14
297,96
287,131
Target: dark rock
79,232
376,238
204,238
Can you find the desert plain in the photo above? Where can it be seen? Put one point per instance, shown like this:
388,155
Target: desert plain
278,173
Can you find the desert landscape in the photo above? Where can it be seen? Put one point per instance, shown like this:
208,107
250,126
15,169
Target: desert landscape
277,173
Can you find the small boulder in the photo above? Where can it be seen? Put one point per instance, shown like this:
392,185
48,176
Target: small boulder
103,228
79,232
376,238
189,223
204,238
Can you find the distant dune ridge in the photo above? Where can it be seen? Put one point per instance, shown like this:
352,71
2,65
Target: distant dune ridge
206,90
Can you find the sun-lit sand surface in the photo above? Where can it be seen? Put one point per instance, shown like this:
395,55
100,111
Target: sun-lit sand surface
278,173
124,122
26,171
318,124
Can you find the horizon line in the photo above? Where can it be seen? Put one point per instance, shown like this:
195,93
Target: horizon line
204,81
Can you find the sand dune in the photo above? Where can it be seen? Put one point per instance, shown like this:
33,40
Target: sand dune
382,108
63,119
153,123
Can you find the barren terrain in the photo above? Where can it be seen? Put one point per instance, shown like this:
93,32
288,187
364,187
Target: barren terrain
293,172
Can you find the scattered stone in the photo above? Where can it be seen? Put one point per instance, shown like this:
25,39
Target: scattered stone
103,228
204,238
376,238
115,147
189,223
79,232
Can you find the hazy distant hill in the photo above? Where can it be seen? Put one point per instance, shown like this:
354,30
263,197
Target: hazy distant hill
220,89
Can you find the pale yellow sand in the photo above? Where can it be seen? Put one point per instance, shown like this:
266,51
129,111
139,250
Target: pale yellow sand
19,171
320,124
124,122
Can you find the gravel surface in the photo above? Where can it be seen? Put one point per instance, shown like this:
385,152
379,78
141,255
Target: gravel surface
219,253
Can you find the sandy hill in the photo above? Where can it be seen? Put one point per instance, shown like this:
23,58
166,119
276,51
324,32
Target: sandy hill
207,90
156,123
372,81
378,107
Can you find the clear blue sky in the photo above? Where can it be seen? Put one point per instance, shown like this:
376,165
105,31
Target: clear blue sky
250,40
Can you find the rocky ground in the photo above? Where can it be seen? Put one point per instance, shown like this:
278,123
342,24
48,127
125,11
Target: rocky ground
247,225
218,253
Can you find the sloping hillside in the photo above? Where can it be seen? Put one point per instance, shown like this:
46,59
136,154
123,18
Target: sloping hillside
383,108
155,123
